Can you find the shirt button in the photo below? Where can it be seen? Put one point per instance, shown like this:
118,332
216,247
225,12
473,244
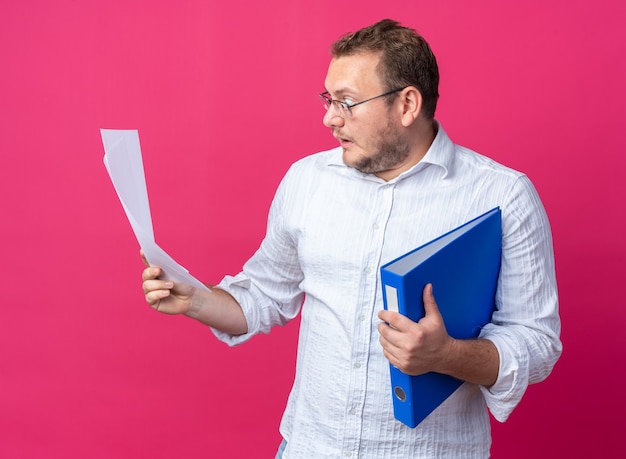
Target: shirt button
362,317
348,454
357,365
367,271
352,411
375,226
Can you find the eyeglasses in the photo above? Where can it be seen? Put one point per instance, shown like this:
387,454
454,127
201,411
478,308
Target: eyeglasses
343,108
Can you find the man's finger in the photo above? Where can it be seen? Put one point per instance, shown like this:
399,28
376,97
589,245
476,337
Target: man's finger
395,320
430,305
143,257
152,272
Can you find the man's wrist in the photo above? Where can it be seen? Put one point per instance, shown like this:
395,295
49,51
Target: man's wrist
473,360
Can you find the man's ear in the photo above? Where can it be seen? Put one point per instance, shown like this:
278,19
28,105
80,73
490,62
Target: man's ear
411,100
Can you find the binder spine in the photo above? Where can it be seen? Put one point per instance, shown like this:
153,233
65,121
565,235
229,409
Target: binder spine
401,385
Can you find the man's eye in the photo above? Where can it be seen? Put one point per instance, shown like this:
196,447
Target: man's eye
348,101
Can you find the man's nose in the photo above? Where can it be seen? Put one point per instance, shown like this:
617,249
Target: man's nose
332,118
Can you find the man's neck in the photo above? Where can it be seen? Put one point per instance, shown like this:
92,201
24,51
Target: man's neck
424,135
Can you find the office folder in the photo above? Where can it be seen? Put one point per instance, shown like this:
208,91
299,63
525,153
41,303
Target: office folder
463,266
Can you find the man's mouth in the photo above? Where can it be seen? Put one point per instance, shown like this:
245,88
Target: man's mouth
345,142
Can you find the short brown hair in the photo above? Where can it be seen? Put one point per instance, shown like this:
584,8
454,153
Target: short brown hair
406,58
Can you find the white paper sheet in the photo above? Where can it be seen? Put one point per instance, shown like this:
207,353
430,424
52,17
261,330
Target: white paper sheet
122,159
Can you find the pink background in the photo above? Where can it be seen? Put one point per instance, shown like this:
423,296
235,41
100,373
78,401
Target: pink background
224,97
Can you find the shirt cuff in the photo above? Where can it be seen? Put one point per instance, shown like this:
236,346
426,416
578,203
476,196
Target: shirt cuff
239,287
506,393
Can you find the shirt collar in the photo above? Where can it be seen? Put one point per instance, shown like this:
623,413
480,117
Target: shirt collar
440,153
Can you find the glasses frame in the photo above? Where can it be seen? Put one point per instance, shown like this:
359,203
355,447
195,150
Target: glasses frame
343,108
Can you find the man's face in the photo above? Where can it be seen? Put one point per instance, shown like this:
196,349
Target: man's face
371,138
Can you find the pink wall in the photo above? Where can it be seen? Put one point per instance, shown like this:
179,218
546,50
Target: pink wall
225,99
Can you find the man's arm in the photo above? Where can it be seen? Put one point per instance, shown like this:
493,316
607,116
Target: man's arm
420,347
217,308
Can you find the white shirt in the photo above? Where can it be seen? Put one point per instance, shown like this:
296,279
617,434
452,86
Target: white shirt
330,228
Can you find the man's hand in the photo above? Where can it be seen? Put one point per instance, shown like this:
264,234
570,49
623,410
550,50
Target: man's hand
416,347
165,296
215,308
420,347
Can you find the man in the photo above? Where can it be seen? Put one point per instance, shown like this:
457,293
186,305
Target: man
395,182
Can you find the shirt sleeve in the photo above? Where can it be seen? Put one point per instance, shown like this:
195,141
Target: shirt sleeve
268,288
525,327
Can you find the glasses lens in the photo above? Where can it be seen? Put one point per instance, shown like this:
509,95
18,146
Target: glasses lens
344,109
326,100
341,108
